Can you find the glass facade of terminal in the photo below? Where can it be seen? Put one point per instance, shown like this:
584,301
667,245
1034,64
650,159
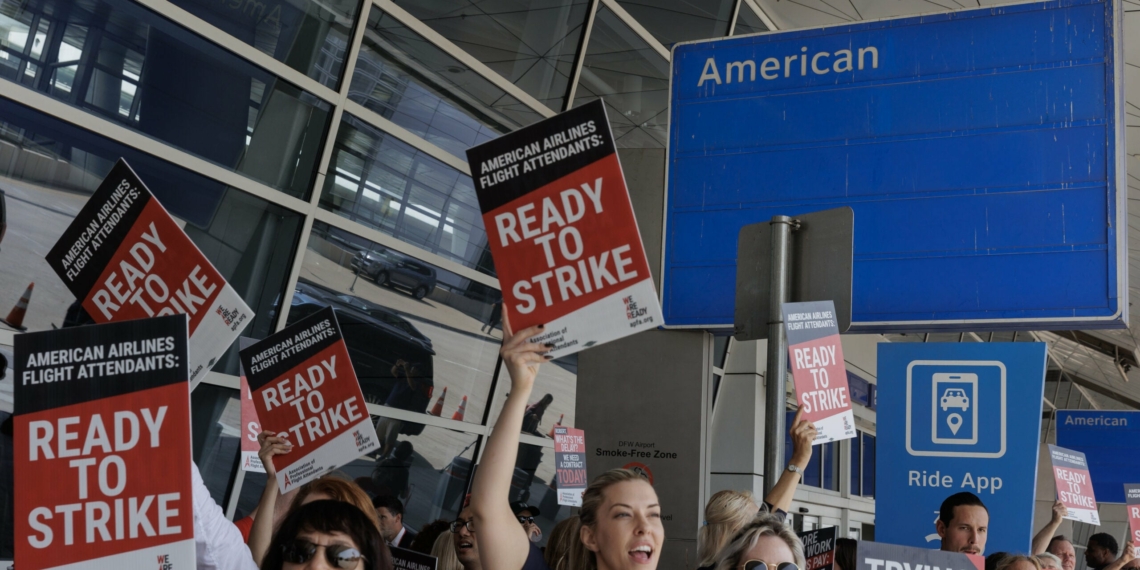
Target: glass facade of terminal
314,151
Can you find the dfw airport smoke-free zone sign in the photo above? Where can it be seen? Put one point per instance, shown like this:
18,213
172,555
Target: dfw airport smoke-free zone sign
980,150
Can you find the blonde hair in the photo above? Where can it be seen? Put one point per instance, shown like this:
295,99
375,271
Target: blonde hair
725,514
731,556
1048,560
558,546
444,552
1009,561
582,558
338,489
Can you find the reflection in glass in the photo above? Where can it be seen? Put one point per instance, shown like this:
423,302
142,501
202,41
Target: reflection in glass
49,168
532,43
672,21
748,22
552,399
413,330
632,77
215,417
389,185
423,89
309,36
144,72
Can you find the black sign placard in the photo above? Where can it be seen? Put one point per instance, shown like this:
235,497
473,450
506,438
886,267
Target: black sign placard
404,559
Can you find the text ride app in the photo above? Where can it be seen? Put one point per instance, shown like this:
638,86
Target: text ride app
956,408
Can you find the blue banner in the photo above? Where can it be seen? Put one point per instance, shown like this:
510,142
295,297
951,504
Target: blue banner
1109,441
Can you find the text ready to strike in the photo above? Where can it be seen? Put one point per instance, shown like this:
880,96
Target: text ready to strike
1074,484
816,359
126,258
102,464
562,231
305,389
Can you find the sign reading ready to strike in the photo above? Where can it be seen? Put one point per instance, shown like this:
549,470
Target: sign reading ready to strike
102,447
125,258
1074,485
815,355
1132,498
306,391
562,231
250,425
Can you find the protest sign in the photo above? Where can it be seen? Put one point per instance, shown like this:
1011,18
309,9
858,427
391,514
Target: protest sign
570,465
882,556
815,355
403,558
305,390
250,425
819,548
1074,484
125,258
1132,499
562,231
102,447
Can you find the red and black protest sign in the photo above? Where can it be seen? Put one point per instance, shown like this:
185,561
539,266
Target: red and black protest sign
881,556
562,231
102,447
1132,502
305,390
125,258
1074,484
250,425
570,465
815,355
819,548
404,559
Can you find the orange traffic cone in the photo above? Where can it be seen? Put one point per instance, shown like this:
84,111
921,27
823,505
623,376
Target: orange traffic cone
458,415
560,418
16,316
437,409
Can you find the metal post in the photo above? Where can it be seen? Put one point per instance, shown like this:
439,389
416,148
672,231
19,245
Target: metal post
775,404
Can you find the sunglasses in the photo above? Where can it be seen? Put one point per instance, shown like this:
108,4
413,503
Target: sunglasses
338,555
524,520
761,565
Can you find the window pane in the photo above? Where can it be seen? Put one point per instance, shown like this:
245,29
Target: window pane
404,320
429,472
530,42
830,466
423,89
812,474
311,37
7,484
748,22
215,417
856,466
48,169
551,402
868,465
388,185
534,485
147,74
672,21
632,77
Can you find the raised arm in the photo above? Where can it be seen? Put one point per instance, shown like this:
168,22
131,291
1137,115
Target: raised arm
803,434
263,519
1041,540
1127,555
503,544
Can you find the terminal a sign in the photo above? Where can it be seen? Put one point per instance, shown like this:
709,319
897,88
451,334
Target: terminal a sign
958,417
1100,436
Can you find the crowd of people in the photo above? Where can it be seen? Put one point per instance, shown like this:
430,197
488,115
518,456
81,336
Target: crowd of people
333,523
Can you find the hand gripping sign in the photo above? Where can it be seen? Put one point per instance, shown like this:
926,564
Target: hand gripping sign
102,447
570,465
306,391
125,258
815,355
1074,484
562,231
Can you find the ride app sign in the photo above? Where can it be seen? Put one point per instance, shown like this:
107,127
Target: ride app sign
125,258
102,447
815,355
306,391
562,231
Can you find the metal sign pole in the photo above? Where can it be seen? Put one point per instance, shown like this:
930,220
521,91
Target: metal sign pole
774,400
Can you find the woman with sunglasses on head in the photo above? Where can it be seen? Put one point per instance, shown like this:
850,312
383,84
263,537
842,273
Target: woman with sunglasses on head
764,544
327,535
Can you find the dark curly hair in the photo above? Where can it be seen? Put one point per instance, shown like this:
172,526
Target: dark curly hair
329,517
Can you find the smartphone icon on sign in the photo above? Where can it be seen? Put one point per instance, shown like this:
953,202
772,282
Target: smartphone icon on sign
954,408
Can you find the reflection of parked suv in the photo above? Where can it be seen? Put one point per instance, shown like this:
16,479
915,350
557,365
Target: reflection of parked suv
390,268
376,338
955,398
